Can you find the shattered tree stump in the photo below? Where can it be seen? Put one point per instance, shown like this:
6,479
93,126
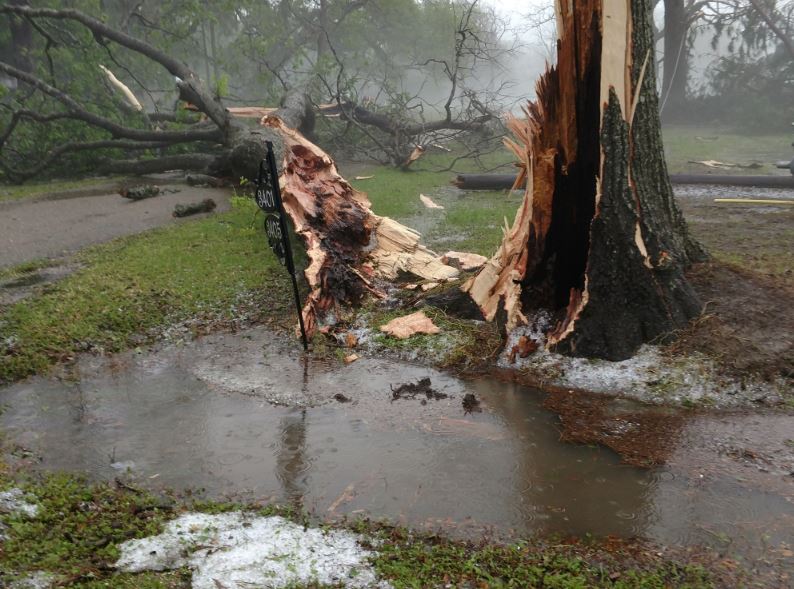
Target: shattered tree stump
599,238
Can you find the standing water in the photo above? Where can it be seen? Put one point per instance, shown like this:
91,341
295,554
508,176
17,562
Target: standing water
241,416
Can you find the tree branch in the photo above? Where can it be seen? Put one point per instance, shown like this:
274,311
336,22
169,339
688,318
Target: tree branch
75,111
188,82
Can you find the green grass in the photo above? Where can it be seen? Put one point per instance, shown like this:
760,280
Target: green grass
77,528
469,222
685,144
411,562
25,268
211,270
31,190
80,525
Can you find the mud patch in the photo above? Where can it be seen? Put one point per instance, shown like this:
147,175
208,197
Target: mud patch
748,326
643,436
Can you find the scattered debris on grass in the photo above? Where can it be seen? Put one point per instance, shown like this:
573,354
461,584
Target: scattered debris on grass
465,261
408,325
205,180
237,549
428,202
205,206
37,580
13,501
140,191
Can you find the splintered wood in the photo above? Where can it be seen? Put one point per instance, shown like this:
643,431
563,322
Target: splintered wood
405,327
348,247
428,202
598,238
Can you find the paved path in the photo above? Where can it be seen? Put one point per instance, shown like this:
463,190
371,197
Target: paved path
31,230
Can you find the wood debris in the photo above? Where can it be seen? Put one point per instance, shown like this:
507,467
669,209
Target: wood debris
348,247
428,202
133,102
415,155
523,349
205,206
464,261
364,177
351,358
351,341
140,191
399,251
720,165
405,327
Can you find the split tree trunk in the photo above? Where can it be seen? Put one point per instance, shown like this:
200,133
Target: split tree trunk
351,251
599,238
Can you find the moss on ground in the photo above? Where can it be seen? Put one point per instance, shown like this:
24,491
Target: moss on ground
209,271
80,525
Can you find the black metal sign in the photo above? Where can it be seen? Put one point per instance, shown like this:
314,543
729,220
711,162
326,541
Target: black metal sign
268,197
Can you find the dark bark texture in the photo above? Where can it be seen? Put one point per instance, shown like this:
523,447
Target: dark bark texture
599,239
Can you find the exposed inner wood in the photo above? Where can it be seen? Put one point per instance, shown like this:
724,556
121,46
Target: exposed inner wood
351,251
598,238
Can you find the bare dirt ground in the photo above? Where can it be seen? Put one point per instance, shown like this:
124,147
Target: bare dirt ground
44,228
748,289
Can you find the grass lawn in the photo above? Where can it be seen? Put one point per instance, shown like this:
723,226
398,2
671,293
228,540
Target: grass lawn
79,525
209,271
33,189
684,144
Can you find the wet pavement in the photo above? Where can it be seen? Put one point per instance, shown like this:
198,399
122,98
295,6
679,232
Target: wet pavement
247,416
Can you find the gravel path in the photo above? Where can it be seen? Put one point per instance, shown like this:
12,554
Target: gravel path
31,230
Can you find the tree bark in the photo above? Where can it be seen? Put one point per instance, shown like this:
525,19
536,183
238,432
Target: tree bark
599,239
675,70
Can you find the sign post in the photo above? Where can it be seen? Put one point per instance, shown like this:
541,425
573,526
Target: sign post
268,197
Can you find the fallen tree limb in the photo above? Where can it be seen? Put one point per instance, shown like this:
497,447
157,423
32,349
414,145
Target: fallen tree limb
507,181
351,251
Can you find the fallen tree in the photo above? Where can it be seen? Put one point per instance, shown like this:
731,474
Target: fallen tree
599,238
508,181
350,250
236,148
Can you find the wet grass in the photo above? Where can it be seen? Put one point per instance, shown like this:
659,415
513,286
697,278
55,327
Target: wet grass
34,189
684,144
461,345
208,272
469,222
75,537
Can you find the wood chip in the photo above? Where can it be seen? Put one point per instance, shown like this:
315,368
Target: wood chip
428,286
364,177
464,261
405,327
351,358
428,202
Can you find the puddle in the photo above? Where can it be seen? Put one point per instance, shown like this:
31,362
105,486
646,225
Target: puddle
21,287
202,416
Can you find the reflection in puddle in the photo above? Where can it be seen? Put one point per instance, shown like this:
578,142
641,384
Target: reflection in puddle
432,465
